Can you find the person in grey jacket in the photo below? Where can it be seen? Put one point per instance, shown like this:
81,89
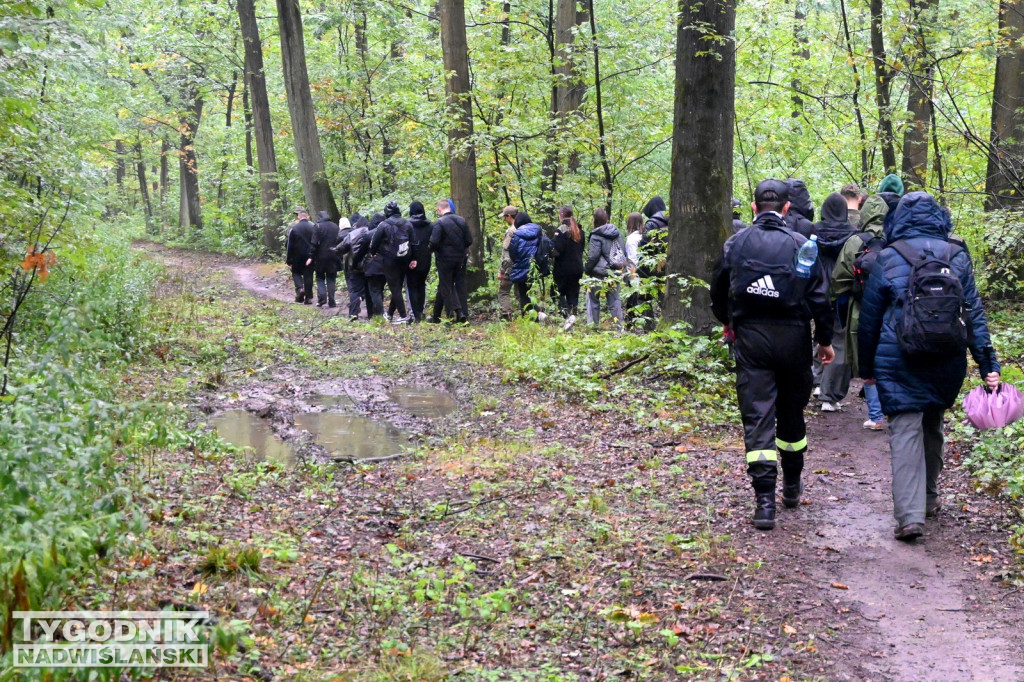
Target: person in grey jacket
606,255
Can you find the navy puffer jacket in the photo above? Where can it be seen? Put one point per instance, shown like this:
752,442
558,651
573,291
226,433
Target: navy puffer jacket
523,249
912,386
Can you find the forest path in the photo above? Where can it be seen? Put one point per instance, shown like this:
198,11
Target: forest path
924,611
831,573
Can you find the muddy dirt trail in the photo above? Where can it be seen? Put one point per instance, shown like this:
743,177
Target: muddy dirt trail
875,608
925,611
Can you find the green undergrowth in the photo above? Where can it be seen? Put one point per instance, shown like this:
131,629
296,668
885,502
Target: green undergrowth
667,374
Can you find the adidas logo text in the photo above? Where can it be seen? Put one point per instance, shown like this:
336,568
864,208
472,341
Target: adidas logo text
764,287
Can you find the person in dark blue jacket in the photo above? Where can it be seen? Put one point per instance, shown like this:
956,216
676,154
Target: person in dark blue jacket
915,393
523,249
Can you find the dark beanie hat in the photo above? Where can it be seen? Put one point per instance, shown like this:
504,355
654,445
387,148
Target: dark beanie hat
891,183
416,208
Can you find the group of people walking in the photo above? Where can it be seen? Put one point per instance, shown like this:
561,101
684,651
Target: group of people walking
885,291
386,250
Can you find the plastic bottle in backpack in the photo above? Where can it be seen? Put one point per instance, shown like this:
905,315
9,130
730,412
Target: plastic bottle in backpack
806,256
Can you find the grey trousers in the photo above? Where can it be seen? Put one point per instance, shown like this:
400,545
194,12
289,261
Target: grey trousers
594,304
915,439
835,377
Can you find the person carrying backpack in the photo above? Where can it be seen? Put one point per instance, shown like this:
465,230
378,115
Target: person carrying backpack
325,259
568,264
606,260
920,314
373,266
450,240
391,241
419,266
833,230
523,249
352,261
298,255
767,299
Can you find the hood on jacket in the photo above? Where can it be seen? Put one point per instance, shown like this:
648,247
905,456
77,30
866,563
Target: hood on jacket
654,206
522,218
323,216
528,232
607,231
918,215
834,227
416,208
358,220
376,220
891,183
392,209
800,198
872,215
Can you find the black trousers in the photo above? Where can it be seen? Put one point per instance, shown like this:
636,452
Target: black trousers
416,282
451,289
375,301
523,294
357,291
773,385
326,284
568,295
396,284
302,278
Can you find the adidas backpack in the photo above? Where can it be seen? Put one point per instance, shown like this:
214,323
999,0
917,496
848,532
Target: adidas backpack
773,289
866,256
932,319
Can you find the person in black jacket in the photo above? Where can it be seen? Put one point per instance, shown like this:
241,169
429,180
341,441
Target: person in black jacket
325,258
654,243
450,241
373,267
737,222
833,230
352,261
419,267
568,264
299,256
756,291
800,217
391,241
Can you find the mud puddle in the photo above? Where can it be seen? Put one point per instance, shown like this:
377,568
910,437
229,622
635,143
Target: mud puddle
422,401
347,436
245,430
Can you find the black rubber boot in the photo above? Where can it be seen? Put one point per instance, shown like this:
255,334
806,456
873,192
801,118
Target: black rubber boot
792,486
764,511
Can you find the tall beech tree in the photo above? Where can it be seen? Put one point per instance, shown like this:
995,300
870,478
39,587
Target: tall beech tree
883,76
462,153
702,142
300,107
920,89
256,89
1004,181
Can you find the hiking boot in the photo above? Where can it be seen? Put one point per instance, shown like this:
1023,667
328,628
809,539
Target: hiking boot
434,320
872,425
764,511
299,298
462,320
353,318
320,303
308,301
909,532
332,304
791,493
831,407
932,509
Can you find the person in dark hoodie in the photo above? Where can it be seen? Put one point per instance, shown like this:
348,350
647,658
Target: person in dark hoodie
800,217
450,240
352,262
737,223
419,267
523,249
325,259
299,256
833,230
568,264
654,243
373,267
391,242
606,260
916,392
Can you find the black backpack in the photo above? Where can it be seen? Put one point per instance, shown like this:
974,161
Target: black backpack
543,255
932,320
772,289
866,256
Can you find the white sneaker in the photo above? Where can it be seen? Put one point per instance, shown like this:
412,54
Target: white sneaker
569,322
542,317
399,320
816,392
831,407
874,426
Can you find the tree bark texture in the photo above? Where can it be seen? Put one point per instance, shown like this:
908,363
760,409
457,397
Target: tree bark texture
310,158
883,76
1005,178
919,101
266,156
190,215
607,179
700,216
462,154
140,171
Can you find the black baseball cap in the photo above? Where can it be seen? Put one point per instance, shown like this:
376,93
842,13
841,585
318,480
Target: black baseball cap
771,190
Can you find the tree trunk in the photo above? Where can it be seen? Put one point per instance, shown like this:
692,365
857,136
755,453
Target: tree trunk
250,158
851,58
882,78
462,154
1005,179
190,214
140,170
256,86
802,55
300,106
700,217
165,180
607,180
919,100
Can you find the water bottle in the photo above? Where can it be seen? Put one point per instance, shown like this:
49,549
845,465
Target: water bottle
806,256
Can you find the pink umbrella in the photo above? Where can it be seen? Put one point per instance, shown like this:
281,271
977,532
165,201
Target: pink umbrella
994,409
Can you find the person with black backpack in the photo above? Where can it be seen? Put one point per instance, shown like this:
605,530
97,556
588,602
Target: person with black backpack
373,267
606,260
450,240
351,241
833,231
419,266
766,289
391,241
325,259
849,277
920,314
299,256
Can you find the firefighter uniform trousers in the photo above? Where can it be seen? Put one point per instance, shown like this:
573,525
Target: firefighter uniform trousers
773,383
